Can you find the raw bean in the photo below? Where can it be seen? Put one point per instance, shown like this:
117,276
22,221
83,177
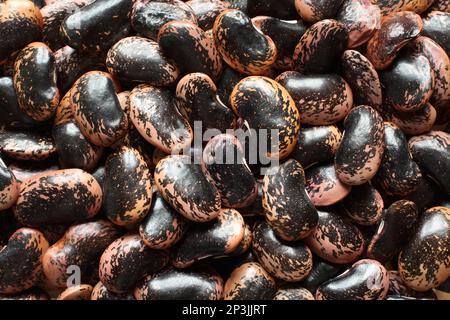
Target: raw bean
249,282
323,186
282,9
190,48
265,104
290,262
398,173
78,292
100,292
20,260
198,100
225,165
424,263
215,238
97,26
394,231
148,17
97,109
313,11
320,47
35,81
383,47
431,152
336,99
154,113
207,11
127,187
126,261
60,196
365,280
22,22
9,187
359,155
364,205
163,226
26,145
287,207
242,45
184,186
316,145
81,245
141,60
174,284
293,294
335,240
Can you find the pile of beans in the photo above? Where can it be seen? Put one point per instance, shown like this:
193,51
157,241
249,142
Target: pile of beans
100,197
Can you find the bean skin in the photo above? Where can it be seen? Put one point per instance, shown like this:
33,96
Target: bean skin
9,187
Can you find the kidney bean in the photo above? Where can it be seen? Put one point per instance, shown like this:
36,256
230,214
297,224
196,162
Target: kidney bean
127,187
323,186
173,284
242,46
184,186
365,280
336,96
383,47
127,260
97,110
424,261
320,47
60,196
14,16
363,79
335,240
9,187
394,231
26,145
431,151
290,262
287,207
285,35
398,173
359,155
35,81
12,116
416,122
282,9
81,246
215,238
154,114
148,17
190,48
198,100
255,98
364,205
78,292
31,294
313,11
224,163
320,272
293,294
249,281
362,19
391,6
20,260
95,27
53,16
441,5
141,60
100,292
